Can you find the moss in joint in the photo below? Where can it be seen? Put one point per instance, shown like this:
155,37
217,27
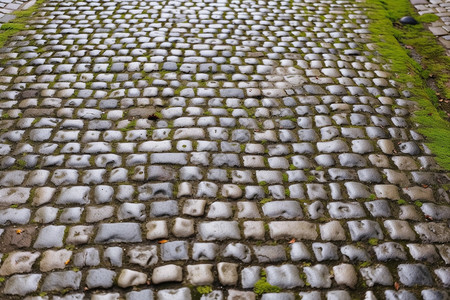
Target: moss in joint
390,37
206,289
262,287
17,24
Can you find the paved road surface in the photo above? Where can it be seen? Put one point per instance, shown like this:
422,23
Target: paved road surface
148,148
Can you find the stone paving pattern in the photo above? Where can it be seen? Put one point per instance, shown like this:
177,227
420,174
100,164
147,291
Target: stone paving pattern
440,28
150,147
7,7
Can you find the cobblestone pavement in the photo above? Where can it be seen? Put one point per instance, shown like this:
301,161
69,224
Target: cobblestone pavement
7,7
440,28
152,147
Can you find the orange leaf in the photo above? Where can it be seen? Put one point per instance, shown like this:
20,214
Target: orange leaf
162,241
19,231
67,262
396,285
292,241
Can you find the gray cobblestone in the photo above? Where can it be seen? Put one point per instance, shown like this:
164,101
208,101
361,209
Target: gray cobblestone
377,275
22,284
364,230
286,276
318,276
417,274
61,280
118,232
250,126
100,278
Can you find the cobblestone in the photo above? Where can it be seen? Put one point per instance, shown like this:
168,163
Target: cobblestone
150,146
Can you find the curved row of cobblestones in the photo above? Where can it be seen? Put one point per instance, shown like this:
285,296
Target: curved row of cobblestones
149,148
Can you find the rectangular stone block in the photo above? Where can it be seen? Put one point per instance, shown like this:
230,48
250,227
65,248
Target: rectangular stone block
10,196
219,230
118,233
301,230
169,158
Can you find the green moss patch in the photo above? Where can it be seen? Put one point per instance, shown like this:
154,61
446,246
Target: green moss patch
206,289
17,24
427,18
262,287
397,43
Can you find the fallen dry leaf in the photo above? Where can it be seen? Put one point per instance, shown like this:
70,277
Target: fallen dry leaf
19,231
292,241
396,285
162,241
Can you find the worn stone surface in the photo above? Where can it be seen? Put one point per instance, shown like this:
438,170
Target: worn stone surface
148,148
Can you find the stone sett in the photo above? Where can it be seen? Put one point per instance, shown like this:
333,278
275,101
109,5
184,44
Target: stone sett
149,147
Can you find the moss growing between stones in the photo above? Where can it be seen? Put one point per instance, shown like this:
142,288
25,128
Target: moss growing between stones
373,241
265,200
12,26
427,18
390,35
131,125
401,201
17,24
304,279
365,264
262,287
206,289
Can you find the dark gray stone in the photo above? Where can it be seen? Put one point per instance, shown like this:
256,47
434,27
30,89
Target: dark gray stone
408,20
414,274
100,278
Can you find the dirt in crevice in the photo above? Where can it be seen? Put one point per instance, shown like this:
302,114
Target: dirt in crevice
444,104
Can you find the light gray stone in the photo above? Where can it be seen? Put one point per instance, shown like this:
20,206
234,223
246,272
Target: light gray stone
22,284
285,276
